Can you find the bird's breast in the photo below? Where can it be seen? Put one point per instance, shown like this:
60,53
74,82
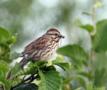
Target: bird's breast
49,51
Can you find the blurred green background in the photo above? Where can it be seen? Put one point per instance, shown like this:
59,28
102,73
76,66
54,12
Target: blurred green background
82,22
28,18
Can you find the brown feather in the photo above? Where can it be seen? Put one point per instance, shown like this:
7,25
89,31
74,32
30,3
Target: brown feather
36,45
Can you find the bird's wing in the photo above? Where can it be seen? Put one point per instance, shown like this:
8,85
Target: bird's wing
38,44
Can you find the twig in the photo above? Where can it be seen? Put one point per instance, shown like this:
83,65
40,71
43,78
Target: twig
29,79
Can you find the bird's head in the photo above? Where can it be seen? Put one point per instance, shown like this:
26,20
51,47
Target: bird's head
55,33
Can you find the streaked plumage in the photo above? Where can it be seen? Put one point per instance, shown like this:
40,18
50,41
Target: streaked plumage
42,48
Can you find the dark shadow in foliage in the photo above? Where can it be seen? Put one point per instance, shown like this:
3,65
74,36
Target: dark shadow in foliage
25,86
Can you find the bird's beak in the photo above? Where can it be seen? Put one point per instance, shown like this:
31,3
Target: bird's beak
61,36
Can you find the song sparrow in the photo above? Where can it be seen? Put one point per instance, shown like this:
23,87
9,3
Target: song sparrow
42,48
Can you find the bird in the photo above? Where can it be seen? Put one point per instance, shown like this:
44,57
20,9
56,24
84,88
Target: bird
43,48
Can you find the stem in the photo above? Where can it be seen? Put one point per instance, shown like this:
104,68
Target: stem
94,17
92,53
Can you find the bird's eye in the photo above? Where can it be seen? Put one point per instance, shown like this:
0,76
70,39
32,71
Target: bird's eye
56,34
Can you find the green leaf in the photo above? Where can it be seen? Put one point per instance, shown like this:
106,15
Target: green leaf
5,52
64,66
11,40
100,40
100,61
4,47
50,80
74,52
100,77
6,41
4,67
59,61
89,86
100,69
98,4
4,35
87,27
100,88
